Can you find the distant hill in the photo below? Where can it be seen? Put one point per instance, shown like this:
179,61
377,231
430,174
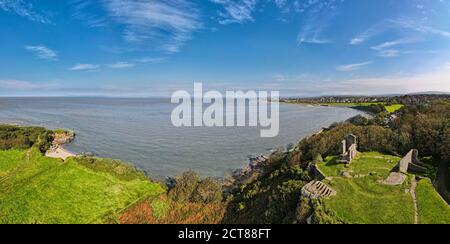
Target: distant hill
430,93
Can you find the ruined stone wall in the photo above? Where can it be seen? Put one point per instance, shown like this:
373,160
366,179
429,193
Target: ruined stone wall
317,173
352,152
349,148
411,162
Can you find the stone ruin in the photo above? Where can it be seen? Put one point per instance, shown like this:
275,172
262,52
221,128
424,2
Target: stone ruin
349,149
410,163
316,190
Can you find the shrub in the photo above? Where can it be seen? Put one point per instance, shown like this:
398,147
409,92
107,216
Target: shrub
185,187
207,191
15,137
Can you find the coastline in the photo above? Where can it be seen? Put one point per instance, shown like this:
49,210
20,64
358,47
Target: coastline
59,152
149,141
246,164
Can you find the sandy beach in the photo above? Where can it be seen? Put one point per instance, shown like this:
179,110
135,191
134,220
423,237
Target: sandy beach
59,152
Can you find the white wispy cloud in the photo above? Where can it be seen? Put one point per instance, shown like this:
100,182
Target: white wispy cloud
153,60
121,65
311,34
43,52
371,32
81,11
165,25
281,3
390,53
420,26
168,23
352,67
19,85
417,26
85,67
388,49
236,11
23,8
391,44
317,16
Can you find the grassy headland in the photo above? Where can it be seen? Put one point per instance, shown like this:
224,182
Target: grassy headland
37,189
363,199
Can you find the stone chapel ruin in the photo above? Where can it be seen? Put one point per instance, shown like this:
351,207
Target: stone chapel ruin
349,148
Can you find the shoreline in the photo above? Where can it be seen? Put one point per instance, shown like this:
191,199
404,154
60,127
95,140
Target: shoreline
59,152
251,165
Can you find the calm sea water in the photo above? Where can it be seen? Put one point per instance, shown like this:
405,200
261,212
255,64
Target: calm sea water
140,131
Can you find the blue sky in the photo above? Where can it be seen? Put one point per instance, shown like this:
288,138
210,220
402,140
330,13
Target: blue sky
154,47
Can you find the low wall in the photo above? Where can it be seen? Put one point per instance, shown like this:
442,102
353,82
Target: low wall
317,173
411,163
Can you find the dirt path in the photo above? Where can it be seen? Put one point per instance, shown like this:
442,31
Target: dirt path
413,194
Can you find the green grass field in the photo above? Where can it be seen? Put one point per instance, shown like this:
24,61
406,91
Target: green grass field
37,189
432,208
394,108
363,199
9,160
365,163
349,104
389,108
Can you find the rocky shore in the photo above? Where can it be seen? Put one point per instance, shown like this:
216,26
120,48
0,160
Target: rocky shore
61,137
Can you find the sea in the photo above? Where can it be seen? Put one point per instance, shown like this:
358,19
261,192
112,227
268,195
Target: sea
139,131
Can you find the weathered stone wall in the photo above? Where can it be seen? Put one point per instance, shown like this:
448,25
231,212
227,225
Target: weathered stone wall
343,147
317,173
349,148
350,140
411,163
352,152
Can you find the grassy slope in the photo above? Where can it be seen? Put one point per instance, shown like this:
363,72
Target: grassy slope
390,108
9,160
364,164
393,108
364,200
432,208
44,190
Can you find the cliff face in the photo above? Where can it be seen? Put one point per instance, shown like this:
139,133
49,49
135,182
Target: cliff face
63,137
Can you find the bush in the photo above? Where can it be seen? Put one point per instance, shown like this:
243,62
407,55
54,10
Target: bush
15,137
190,188
117,168
207,191
185,187
359,120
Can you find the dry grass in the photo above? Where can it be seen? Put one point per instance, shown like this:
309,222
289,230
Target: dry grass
166,211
